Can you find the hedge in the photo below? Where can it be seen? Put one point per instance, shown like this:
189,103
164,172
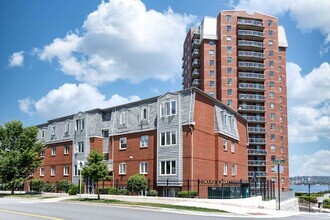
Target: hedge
152,193
187,194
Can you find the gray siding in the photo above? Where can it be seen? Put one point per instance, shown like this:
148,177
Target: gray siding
221,127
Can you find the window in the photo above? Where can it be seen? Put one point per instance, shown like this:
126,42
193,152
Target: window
105,133
225,169
66,149
281,99
272,115
272,95
66,128
229,60
281,118
272,158
224,144
53,131
270,33
144,141
66,170
42,153
281,138
229,92
281,108
271,63
228,18
228,38
273,148
144,113
81,147
232,147
271,84
229,70
80,124
272,137
105,156
271,74
271,53
211,62
282,149
233,170
168,108
143,168
53,151
76,170
279,58
211,72
229,49
282,180
270,43
273,169
229,81
168,138
42,134
281,128
52,171
211,83
270,23
272,126
271,105
228,28
280,78
230,103
211,43
122,118
122,143
42,171
280,88
168,167
122,168
274,179
211,52
212,93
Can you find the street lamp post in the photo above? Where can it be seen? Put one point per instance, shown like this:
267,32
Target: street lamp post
81,163
309,195
278,162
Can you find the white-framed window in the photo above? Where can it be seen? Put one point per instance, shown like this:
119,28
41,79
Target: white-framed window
271,84
66,170
52,170
271,53
224,144
230,103
144,113
53,130
211,83
232,147
42,153
42,133
228,28
212,62
282,180
272,95
272,115
53,151
42,171
66,149
271,74
122,118
281,128
232,122
282,150
123,143
225,169
229,92
229,60
144,141
281,119
270,43
168,167
229,49
76,170
80,124
272,105
229,81
228,18
211,72
211,53
271,63
270,23
212,93
144,168
66,128
228,38
229,70
168,108
272,137
122,168
168,138
272,126
233,170
270,33
273,148
81,147
280,89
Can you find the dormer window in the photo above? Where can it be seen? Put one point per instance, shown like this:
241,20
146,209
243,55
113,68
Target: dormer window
168,108
66,128
122,118
53,130
42,133
144,113
80,124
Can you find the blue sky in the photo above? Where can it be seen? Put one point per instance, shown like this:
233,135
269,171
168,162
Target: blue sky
59,57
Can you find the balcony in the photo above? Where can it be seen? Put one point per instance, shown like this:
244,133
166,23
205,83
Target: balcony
196,43
252,97
182,73
195,74
258,173
196,82
182,65
251,87
196,63
251,45
196,33
257,140
256,163
247,76
257,152
251,108
255,119
248,34
256,130
251,66
250,24
251,55
196,53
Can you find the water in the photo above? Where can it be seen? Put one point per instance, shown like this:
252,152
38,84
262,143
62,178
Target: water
314,188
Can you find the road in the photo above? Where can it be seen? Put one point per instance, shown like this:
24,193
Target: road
24,209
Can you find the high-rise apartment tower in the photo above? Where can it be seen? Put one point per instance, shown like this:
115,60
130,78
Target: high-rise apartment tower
240,59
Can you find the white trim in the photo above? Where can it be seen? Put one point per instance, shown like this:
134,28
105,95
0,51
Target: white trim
120,170
66,173
142,146
170,174
144,170
120,144
43,171
53,172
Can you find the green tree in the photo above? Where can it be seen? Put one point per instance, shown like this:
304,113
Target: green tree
136,183
19,153
95,169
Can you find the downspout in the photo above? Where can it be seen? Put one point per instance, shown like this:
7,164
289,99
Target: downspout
192,140
112,149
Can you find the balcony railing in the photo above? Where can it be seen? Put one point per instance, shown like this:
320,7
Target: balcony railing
258,173
195,73
255,118
257,140
196,53
196,43
253,76
256,162
257,152
251,107
196,63
256,130
251,86
251,33
252,97
196,82
251,65
251,22
196,33
252,54
254,44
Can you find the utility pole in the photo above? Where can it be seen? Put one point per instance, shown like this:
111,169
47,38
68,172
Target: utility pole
309,195
278,162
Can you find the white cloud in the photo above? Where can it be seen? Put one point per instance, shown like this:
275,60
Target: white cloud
309,103
16,59
70,99
309,14
317,164
122,40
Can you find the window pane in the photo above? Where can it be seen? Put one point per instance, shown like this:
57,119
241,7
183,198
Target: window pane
173,137
173,105
173,167
168,167
162,167
162,135
168,138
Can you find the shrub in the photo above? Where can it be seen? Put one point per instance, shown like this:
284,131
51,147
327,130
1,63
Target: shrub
136,183
187,194
104,191
152,193
74,189
49,187
326,202
64,185
123,192
313,198
112,191
37,185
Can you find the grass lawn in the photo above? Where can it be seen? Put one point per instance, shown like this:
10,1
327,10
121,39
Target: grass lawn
27,195
146,204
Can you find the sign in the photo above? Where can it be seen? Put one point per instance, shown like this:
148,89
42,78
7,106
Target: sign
275,170
209,182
